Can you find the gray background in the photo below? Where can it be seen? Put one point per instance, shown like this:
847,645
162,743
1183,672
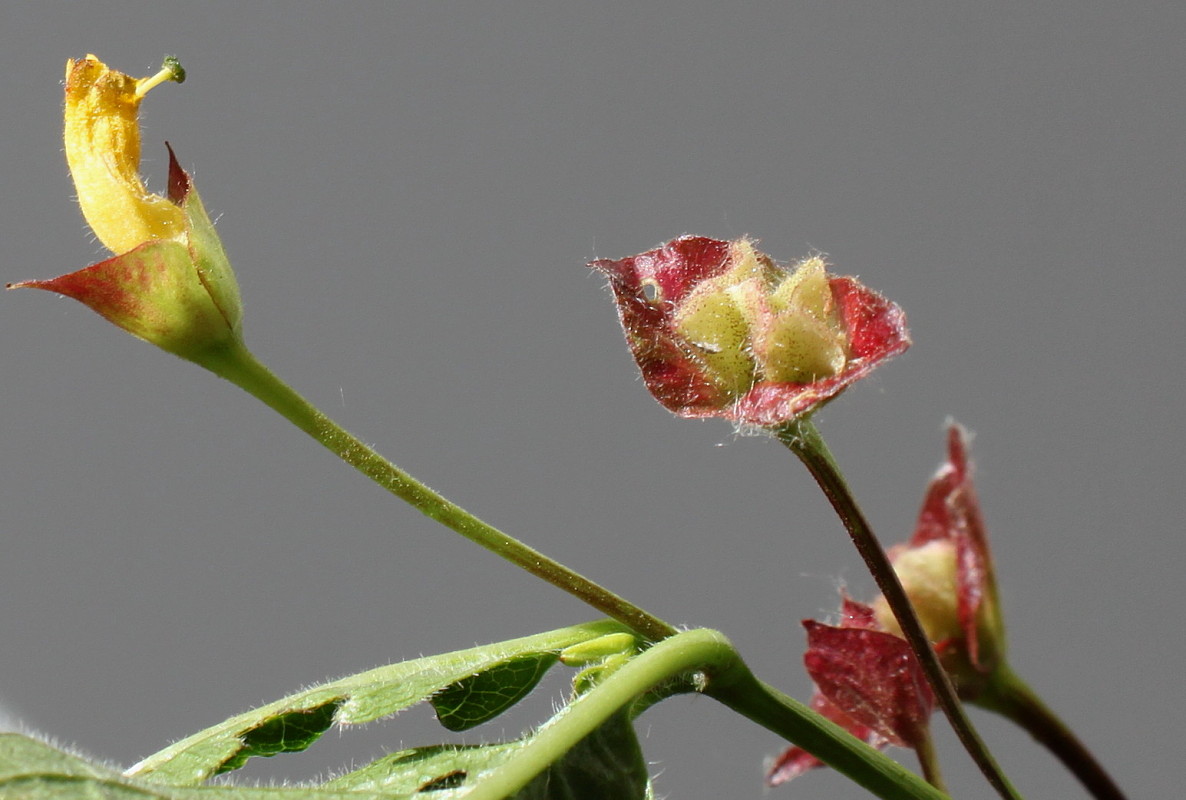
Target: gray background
409,192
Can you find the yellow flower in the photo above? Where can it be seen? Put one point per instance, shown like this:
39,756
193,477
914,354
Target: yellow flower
169,282
102,138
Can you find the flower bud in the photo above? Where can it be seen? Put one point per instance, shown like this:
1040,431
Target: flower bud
947,572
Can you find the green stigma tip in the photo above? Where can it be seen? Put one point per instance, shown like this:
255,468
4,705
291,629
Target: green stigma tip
172,64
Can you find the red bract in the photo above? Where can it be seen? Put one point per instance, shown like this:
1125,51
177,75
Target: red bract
867,682
951,513
718,330
872,677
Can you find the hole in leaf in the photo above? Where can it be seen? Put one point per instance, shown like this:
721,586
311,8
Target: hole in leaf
285,733
453,780
650,291
479,698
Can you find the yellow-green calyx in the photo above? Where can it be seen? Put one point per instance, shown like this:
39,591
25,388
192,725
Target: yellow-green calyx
760,322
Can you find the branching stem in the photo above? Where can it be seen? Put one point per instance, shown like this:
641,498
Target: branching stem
804,440
728,680
1013,699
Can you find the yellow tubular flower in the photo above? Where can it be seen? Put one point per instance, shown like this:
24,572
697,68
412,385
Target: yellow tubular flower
102,137
169,282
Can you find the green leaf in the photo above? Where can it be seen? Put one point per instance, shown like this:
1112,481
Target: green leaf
482,697
284,733
424,769
296,721
33,770
606,763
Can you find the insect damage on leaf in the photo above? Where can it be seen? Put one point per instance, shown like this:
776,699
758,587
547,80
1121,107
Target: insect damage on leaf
483,696
289,732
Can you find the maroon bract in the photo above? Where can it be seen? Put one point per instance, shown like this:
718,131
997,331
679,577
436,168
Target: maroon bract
951,513
867,682
719,330
795,760
873,677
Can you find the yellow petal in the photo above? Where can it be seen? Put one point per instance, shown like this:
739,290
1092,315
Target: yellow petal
102,138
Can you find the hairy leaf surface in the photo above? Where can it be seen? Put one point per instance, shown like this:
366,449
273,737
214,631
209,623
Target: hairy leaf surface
296,721
482,697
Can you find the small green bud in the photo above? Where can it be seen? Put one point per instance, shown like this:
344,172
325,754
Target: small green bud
599,649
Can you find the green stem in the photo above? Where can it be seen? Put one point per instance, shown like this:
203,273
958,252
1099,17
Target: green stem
1013,699
728,680
804,440
929,760
240,367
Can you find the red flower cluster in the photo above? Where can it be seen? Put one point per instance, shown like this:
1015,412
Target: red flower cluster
718,330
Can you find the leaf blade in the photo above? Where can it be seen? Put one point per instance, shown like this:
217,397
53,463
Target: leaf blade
356,699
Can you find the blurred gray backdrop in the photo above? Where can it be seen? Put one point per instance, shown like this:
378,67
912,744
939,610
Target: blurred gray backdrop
409,192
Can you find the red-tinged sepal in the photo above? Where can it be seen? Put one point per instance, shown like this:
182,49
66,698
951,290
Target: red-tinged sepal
152,292
179,294
947,571
876,332
867,682
872,677
648,288
854,614
206,252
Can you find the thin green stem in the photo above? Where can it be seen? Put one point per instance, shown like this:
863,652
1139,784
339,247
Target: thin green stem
804,440
1010,696
241,368
928,759
727,679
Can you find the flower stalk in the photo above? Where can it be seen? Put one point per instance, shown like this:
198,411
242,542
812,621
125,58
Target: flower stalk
803,438
171,284
1010,696
239,366
928,760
